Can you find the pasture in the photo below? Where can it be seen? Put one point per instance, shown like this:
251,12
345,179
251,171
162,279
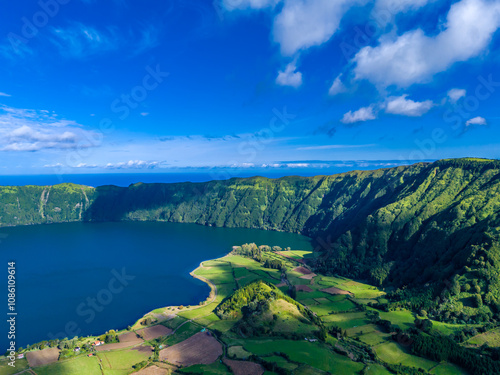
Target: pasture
186,342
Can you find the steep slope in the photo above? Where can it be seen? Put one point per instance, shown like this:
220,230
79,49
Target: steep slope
434,224
415,224
25,205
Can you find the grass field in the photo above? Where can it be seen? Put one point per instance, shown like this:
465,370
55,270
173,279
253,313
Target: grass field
375,338
374,369
117,362
304,357
308,370
238,351
346,320
280,362
313,354
174,323
325,308
5,369
448,369
81,365
358,289
393,353
185,331
403,319
289,319
492,338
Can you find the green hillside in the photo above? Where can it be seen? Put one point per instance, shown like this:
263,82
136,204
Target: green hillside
24,205
425,223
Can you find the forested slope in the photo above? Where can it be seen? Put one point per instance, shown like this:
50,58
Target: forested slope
25,205
419,223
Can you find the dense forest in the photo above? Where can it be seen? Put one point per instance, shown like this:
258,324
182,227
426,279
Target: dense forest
426,224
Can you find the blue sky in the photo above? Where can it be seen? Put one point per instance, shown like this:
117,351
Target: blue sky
157,86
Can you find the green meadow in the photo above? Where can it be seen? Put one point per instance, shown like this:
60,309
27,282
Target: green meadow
292,345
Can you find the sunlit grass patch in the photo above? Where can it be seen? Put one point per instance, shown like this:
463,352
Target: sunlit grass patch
393,353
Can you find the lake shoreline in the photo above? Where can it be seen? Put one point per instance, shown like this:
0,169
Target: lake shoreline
207,301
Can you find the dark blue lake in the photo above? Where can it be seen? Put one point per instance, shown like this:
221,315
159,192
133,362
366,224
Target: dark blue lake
87,278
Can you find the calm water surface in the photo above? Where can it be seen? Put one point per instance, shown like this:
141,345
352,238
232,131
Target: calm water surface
87,278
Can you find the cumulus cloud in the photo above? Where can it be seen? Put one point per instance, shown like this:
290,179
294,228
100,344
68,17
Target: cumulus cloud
454,95
299,25
302,24
415,57
476,121
407,107
290,76
133,164
85,165
337,87
34,130
362,114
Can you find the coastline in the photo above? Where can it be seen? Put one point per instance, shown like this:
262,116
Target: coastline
210,298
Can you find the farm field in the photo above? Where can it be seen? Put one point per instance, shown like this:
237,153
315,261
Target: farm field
154,332
492,338
152,370
80,365
121,361
447,369
313,354
42,357
21,364
195,340
244,367
200,348
393,353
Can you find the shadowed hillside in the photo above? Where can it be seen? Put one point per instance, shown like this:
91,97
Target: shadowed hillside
420,223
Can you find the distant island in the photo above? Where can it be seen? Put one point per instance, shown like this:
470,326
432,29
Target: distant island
422,241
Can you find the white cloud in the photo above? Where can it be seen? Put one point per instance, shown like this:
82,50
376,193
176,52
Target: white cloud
476,121
249,4
56,165
302,24
454,95
398,6
299,25
144,114
4,94
362,114
337,87
415,57
290,76
384,11
79,40
407,107
34,130
133,164
85,165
